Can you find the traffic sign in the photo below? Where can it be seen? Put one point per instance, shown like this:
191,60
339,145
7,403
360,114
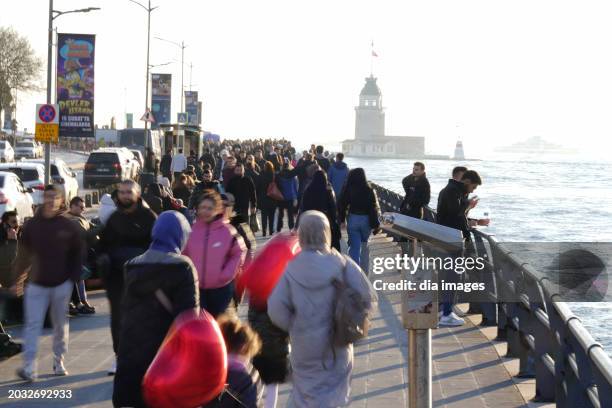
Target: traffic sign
148,116
181,117
47,123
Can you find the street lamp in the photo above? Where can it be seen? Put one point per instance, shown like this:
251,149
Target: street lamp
49,61
182,46
148,9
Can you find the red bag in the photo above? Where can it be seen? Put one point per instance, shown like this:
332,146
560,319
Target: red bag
274,192
190,368
262,275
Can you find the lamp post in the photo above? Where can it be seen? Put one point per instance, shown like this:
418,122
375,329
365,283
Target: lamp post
49,73
182,46
148,9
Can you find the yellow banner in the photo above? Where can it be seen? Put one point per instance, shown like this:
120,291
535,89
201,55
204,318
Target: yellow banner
47,132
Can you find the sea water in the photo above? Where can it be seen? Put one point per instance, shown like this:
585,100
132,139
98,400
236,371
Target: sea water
529,199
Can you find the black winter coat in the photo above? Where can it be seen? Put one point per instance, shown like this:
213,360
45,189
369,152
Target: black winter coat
125,236
145,321
417,195
165,164
452,207
357,202
244,193
327,205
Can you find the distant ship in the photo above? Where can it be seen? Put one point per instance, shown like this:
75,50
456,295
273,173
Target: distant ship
535,145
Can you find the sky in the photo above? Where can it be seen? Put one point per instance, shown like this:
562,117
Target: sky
487,72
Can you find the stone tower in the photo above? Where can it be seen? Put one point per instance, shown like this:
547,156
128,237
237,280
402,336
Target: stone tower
369,115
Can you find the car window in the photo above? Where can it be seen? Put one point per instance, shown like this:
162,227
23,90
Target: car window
2,144
25,144
103,158
54,171
25,174
1,181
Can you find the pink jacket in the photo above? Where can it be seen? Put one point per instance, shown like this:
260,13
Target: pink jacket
217,251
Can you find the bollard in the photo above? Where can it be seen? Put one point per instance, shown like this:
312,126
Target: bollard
95,198
88,200
419,369
420,309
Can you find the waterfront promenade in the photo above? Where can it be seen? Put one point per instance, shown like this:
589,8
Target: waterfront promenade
467,368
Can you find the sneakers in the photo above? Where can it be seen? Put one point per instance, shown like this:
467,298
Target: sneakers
451,320
113,369
72,309
59,368
86,309
8,348
26,374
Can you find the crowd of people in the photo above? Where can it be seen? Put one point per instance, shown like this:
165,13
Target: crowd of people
189,235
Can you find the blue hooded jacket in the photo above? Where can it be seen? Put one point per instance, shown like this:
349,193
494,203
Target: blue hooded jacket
337,174
170,232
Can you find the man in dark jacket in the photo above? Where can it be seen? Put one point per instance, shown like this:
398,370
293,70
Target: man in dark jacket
207,184
453,205
243,190
52,249
166,163
417,191
151,163
321,159
146,319
126,235
208,157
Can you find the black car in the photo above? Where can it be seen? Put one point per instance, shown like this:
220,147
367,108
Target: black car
105,167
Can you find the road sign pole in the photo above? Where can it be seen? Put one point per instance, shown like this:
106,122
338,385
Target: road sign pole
49,64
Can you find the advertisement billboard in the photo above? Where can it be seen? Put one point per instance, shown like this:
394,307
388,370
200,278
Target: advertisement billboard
161,92
191,107
75,84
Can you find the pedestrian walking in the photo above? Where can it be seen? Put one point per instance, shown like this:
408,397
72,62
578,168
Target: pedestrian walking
52,249
217,251
266,203
359,209
288,184
302,303
243,189
320,196
179,164
165,166
161,271
338,172
126,235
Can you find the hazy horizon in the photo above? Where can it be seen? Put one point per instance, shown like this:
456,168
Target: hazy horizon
488,73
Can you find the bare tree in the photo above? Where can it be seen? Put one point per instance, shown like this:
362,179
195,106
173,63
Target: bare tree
20,68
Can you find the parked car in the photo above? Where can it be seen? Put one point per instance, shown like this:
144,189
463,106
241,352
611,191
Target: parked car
32,175
138,156
14,196
7,154
64,176
27,149
108,166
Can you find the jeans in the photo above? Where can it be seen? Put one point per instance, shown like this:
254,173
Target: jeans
215,301
359,230
36,301
285,205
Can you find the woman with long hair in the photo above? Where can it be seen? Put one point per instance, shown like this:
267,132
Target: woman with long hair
359,208
319,196
217,252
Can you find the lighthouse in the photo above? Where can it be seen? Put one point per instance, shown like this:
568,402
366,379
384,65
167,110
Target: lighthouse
459,155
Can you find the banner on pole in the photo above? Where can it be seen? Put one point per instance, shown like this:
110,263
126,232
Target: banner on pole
191,107
75,84
161,91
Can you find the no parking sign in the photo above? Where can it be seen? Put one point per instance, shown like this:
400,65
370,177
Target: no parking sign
47,123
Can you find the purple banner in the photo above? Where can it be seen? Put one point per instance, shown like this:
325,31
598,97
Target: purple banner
75,84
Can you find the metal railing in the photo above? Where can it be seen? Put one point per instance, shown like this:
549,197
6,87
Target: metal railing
551,343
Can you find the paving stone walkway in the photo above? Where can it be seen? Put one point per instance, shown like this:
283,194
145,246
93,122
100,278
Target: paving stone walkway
467,369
